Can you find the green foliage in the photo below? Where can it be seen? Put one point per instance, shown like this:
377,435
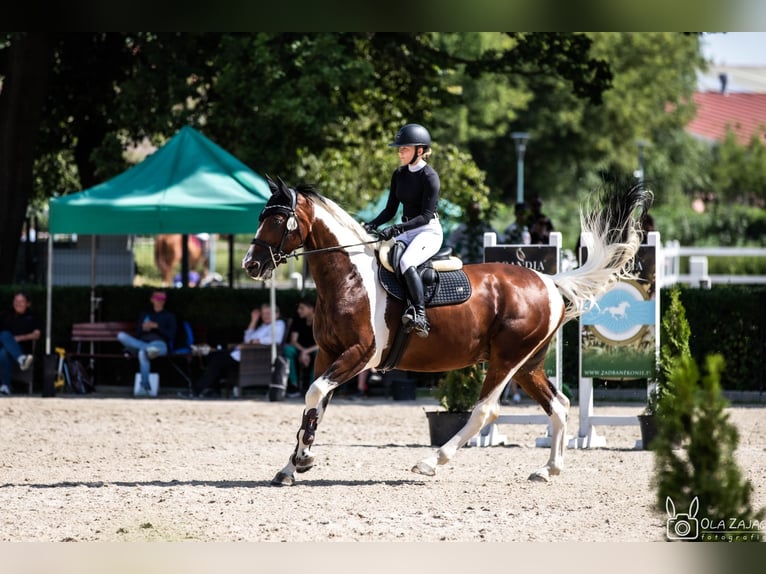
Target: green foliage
674,344
459,390
730,320
693,418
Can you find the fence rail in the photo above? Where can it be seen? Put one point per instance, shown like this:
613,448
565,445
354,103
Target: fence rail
698,275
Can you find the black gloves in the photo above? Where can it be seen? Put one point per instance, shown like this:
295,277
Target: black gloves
369,227
389,232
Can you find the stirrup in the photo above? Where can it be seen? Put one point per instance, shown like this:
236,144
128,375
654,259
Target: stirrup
415,322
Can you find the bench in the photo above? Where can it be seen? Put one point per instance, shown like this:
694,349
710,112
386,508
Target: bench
98,340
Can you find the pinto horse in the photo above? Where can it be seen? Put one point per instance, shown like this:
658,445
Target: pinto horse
508,321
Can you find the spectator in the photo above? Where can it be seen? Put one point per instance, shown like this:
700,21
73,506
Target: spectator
467,240
301,348
540,232
18,330
517,233
154,335
540,225
222,363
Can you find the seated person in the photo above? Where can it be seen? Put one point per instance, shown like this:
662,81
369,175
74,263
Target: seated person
221,363
301,348
18,329
156,329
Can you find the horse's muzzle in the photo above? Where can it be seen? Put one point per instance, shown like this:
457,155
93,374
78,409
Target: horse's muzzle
255,269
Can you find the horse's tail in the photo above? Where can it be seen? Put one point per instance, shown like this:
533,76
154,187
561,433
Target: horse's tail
616,235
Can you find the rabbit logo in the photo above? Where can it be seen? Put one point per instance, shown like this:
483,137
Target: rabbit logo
682,526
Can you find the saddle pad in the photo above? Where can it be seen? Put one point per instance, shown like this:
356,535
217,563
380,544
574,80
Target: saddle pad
451,287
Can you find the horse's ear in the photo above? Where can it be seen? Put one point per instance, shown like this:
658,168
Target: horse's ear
272,186
283,185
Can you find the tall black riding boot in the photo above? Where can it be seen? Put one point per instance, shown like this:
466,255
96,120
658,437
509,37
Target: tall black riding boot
414,318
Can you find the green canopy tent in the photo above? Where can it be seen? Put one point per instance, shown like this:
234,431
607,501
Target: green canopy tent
189,185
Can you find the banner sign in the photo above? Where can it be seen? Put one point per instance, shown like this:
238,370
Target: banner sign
542,258
619,333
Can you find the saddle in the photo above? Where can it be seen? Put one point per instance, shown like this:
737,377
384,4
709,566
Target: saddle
444,281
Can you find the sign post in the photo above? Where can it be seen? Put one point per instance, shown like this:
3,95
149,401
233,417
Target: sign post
619,338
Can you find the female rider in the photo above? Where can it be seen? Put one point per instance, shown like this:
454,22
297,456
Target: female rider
415,185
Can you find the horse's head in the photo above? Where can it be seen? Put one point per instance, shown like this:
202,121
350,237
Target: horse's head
279,232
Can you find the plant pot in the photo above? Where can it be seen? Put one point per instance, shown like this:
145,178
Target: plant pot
442,425
648,424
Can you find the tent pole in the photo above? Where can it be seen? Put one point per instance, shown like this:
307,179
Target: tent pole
273,303
49,294
231,260
92,279
184,260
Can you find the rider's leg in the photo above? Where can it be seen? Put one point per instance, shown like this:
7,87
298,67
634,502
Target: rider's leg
414,318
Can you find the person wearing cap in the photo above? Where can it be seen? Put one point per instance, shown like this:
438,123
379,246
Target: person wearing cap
155,331
416,186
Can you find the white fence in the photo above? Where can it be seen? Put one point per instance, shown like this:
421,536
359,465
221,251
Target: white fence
698,275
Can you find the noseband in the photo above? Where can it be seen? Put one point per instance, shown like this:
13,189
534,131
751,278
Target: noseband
279,255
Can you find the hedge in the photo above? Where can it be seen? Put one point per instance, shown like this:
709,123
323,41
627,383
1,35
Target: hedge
727,319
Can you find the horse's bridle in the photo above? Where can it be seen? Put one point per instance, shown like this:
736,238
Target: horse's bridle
291,224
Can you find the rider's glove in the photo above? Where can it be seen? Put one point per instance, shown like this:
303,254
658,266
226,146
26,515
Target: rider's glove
368,227
389,232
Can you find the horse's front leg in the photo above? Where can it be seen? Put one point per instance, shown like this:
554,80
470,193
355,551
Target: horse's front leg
317,399
348,365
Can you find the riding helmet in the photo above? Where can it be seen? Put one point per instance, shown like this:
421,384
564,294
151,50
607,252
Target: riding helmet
412,134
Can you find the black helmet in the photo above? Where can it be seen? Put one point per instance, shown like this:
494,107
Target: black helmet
412,134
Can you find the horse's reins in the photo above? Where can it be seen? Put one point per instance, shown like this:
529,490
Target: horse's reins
279,256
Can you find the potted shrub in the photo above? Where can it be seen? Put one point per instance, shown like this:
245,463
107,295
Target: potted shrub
457,392
674,344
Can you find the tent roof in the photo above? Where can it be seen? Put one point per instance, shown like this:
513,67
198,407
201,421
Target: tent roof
189,185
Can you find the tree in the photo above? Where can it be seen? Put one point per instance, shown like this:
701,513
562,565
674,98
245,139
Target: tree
24,71
71,103
705,468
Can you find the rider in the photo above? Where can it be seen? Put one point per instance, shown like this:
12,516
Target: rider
415,185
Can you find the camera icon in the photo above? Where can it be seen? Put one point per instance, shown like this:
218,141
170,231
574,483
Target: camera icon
682,526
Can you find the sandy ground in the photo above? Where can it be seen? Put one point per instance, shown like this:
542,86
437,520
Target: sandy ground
124,469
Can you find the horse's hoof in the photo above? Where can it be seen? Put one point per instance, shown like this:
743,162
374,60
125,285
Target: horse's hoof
283,479
304,465
540,476
423,468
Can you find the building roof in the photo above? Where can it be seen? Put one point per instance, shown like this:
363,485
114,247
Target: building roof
743,113
730,97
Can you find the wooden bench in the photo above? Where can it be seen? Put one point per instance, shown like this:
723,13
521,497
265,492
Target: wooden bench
100,338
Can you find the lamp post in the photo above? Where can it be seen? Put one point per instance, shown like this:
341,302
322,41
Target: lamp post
639,173
520,139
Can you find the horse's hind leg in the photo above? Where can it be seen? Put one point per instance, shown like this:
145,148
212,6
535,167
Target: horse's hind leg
556,406
486,410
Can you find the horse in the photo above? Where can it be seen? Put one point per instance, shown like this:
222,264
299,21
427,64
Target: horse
507,322
168,253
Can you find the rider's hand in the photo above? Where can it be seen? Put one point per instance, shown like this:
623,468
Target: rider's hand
368,227
389,232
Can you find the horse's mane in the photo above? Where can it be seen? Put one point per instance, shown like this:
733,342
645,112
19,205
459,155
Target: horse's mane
310,192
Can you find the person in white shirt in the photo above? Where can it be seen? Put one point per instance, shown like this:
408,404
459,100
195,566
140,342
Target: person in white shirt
261,330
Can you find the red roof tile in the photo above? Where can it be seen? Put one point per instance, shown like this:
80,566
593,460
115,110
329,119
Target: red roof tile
744,113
